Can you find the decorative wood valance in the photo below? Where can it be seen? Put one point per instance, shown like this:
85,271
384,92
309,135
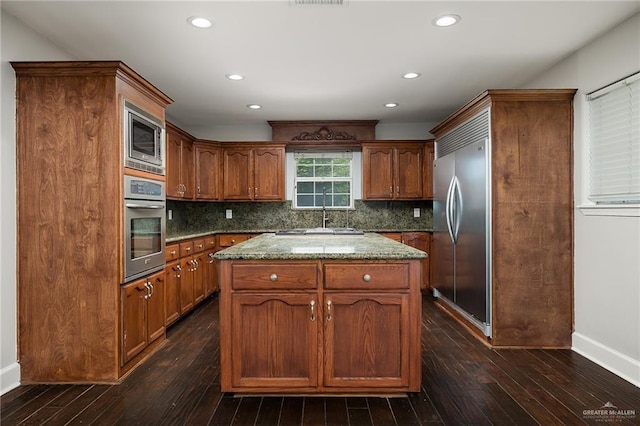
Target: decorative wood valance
323,133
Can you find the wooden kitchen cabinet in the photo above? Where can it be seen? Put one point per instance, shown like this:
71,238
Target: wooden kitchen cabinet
199,271
70,257
143,314
252,172
207,170
392,171
180,160
421,241
228,240
429,156
319,326
187,266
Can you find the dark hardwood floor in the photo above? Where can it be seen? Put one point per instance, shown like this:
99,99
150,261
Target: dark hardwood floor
463,382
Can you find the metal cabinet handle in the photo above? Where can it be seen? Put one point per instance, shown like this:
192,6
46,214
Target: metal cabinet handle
211,259
366,277
391,191
198,190
255,192
188,249
151,286
178,270
173,252
329,310
196,264
273,277
313,310
398,190
148,295
233,241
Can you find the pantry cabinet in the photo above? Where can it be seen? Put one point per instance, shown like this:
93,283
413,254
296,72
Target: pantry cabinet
392,170
252,172
70,265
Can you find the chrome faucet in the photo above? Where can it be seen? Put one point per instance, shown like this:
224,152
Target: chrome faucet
324,208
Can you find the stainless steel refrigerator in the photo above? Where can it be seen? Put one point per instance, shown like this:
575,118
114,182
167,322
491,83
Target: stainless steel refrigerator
462,228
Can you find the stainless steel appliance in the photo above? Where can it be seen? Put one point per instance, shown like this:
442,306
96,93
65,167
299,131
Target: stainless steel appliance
462,227
144,226
144,140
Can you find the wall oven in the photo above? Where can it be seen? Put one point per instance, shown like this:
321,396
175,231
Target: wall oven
144,227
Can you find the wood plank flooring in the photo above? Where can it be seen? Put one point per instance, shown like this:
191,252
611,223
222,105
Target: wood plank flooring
463,383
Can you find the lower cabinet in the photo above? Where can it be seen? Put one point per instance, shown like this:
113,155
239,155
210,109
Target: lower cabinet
143,314
320,327
421,241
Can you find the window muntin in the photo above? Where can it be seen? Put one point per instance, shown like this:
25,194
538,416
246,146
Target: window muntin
323,179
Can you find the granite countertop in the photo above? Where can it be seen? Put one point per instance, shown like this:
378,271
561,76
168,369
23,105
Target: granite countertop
369,246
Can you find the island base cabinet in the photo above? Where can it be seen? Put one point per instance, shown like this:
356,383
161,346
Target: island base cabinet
320,327
366,340
275,340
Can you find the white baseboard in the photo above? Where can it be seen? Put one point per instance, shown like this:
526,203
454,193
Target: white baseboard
614,361
9,378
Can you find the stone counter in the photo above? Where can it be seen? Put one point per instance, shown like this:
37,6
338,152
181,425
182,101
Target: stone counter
369,246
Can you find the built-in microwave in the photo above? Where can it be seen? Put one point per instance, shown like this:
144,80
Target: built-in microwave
144,139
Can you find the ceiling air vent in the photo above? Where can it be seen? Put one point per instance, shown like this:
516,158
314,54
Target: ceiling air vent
318,2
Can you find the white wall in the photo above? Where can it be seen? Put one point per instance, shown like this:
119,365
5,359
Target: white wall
607,242
18,44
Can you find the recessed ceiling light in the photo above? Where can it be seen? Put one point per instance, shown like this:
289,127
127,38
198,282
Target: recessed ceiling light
235,76
446,20
199,22
254,106
391,105
411,75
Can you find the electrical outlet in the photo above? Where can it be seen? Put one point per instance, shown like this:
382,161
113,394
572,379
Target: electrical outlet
229,214
416,212
170,214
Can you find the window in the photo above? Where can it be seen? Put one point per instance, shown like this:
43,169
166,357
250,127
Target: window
614,135
323,179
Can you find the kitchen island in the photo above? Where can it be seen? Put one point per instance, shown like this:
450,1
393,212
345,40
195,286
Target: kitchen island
324,314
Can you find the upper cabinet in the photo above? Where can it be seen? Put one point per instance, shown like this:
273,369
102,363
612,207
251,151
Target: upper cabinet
393,170
427,173
252,172
180,178
207,170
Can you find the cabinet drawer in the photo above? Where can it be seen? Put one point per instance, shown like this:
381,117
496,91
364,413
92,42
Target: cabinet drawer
172,252
198,245
186,249
366,275
228,240
210,242
274,276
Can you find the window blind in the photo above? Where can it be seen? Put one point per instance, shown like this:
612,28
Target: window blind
614,135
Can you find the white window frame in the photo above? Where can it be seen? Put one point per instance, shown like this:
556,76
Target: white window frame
356,179
603,204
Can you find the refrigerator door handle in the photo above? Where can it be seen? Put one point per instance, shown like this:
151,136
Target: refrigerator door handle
449,208
459,208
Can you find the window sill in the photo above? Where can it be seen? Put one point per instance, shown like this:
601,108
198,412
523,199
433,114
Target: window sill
631,210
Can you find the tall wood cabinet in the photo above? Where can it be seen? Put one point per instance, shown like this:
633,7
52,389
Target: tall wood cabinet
69,124
531,205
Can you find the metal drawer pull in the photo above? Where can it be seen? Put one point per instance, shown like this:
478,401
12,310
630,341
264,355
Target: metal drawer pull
328,310
313,310
366,277
273,277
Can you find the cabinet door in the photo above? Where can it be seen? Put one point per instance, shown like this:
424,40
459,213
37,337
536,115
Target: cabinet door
408,172
268,174
134,328
211,275
275,340
199,277
420,240
186,285
172,274
377,172
156,317
207,172
237,174
173,152
187,174
366,340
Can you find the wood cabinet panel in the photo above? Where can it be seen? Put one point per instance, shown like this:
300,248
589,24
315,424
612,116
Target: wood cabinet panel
269,174
378,172
252,172
172,292
237,174
156,317
366,340
429,157
408,172
228,240
393,171
199,276
187,297
421,241
258,276
352,275
179,163
283,330
211,274
134,327
207,171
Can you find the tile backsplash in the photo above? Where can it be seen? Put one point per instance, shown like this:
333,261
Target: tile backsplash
197,217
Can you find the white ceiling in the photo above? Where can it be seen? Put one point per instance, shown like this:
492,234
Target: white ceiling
323,62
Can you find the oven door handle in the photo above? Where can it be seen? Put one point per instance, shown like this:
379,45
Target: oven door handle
145,206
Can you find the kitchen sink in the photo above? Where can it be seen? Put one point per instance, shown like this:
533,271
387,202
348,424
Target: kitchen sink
320,231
